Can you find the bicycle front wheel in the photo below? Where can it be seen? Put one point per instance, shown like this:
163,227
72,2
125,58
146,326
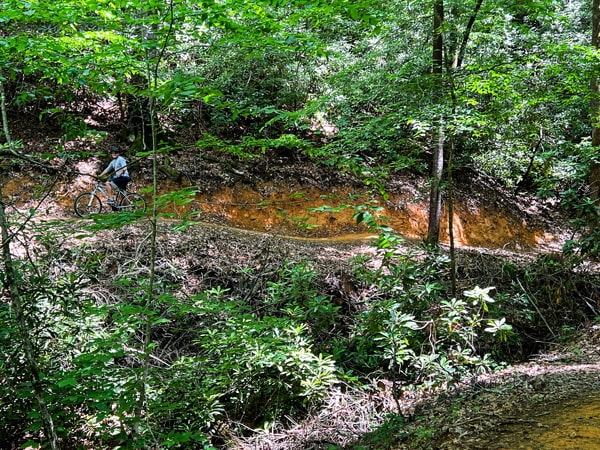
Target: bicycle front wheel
132,202
87,204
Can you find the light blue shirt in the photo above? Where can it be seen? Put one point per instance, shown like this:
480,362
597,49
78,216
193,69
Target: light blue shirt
118,166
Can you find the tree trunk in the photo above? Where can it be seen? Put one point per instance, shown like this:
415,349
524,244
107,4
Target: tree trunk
139,115
435,194
460,54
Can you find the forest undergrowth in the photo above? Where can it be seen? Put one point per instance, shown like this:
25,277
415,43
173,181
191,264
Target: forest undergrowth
261,341
257,340
232,338
169,328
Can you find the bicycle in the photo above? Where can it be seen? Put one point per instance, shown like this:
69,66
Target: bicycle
89,203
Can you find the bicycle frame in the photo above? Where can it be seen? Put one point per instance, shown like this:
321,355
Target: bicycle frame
123,200
100,187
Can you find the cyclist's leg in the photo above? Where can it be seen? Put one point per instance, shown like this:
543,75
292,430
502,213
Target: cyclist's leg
110,188
112,191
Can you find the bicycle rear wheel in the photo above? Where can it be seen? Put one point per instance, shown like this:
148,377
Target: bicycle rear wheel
132,202
87,204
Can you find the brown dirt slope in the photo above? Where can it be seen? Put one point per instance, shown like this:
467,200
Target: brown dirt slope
279,191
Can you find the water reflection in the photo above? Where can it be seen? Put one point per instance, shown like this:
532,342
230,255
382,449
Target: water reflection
572,425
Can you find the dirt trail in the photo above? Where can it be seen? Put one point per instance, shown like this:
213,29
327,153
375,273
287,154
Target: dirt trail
310,212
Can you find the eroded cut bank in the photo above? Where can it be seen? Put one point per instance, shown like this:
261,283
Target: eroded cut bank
312,212
294,210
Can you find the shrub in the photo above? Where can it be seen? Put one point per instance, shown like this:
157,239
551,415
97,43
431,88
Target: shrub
411,328
263,367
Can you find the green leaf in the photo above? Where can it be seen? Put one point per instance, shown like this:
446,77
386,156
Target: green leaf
67,382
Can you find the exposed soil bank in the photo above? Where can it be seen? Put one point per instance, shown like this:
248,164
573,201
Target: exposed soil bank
296,210
273,207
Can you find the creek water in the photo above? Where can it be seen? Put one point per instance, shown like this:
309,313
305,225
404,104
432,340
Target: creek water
574,424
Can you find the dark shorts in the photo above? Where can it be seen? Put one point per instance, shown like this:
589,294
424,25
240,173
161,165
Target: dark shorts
120,182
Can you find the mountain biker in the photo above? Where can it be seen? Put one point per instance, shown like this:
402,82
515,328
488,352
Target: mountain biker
118,165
